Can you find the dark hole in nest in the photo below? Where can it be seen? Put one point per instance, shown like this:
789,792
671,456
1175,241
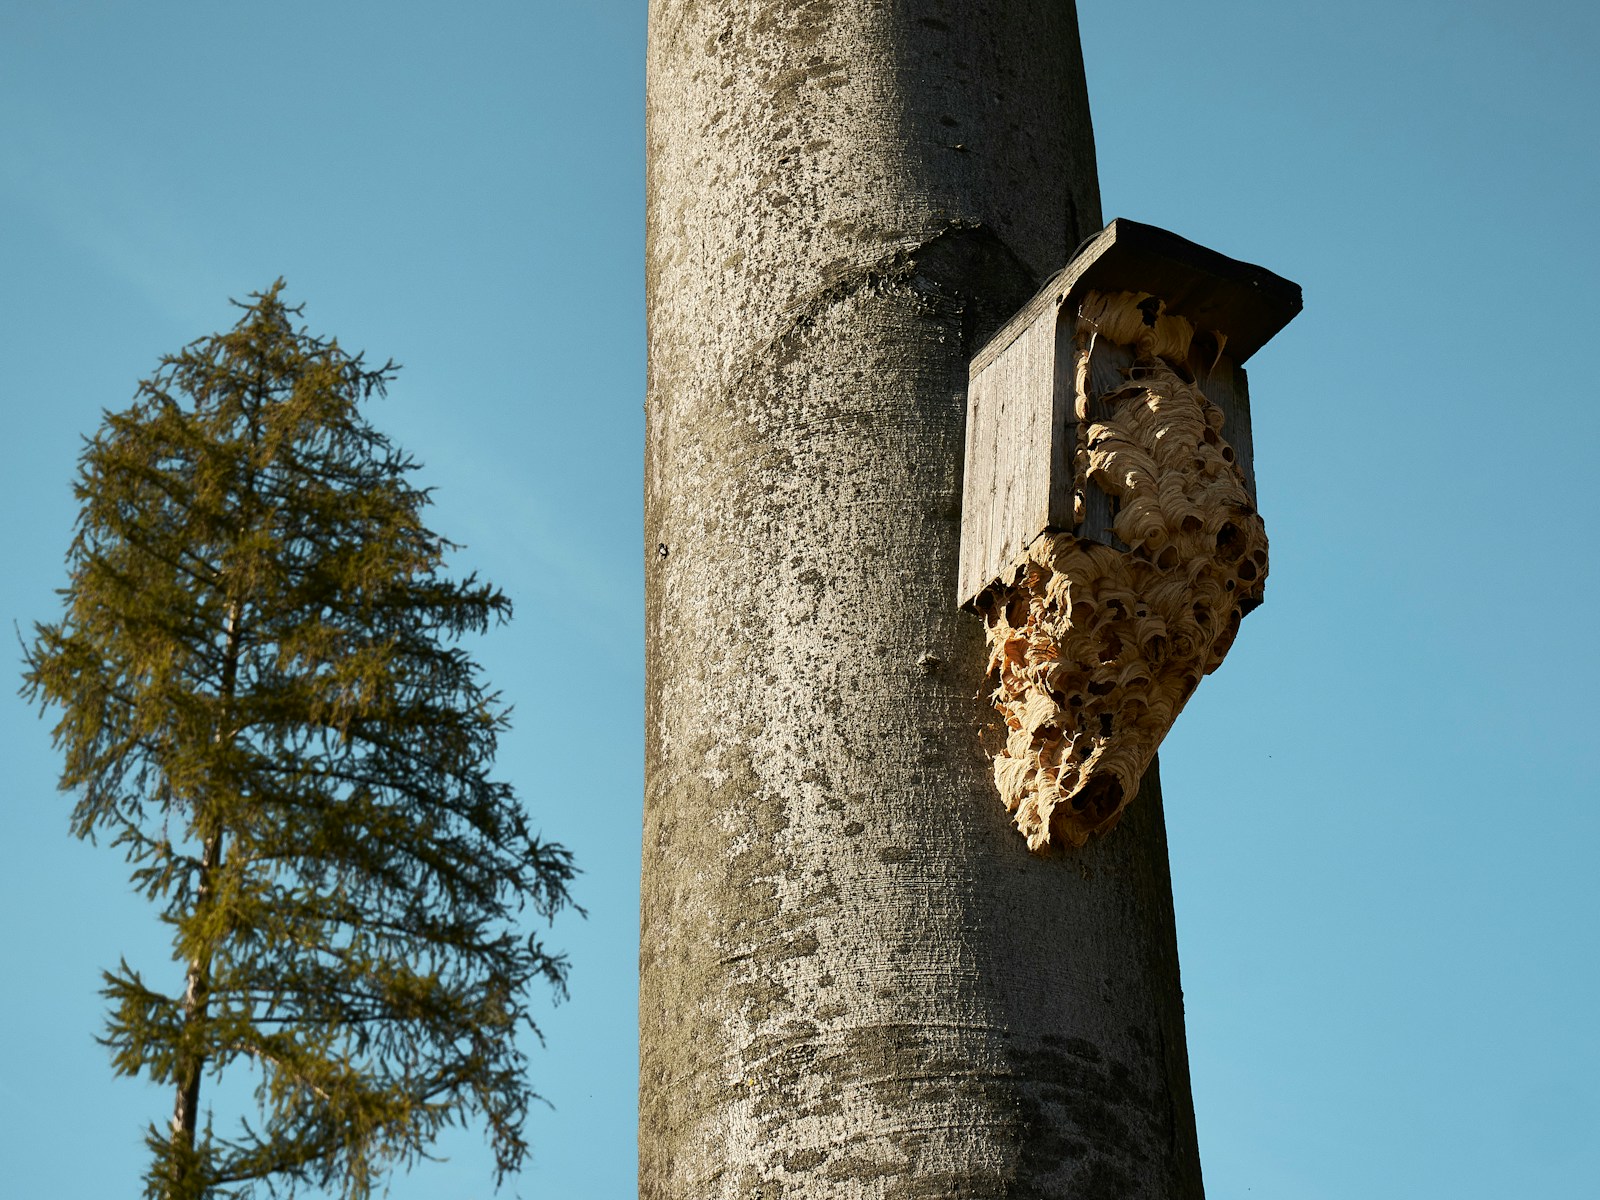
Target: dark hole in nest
1228,539
989,606
1099,799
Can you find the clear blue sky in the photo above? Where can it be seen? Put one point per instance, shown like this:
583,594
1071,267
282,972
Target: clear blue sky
1383,809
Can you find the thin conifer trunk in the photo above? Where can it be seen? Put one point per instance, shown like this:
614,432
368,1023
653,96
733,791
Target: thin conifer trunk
197,976
196,995
856,981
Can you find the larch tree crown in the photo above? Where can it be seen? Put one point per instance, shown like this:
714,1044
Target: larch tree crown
262,701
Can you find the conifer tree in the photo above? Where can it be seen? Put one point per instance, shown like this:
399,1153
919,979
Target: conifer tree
263,702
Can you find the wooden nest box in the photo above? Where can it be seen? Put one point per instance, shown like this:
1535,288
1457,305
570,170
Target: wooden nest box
1025,435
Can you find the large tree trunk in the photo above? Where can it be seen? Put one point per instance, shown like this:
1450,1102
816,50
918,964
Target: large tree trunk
855,978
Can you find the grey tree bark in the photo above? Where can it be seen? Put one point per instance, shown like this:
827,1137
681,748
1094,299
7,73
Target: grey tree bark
856,981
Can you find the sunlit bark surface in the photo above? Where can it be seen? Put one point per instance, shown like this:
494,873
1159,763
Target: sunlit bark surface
856,980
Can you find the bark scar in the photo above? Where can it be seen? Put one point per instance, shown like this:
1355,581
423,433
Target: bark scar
963,260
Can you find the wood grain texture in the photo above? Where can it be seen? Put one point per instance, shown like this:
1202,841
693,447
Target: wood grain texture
1019,433
855,981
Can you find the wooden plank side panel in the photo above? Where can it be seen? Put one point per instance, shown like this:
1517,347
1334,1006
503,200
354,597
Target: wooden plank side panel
1006,493
1016,382
981,486
1030,455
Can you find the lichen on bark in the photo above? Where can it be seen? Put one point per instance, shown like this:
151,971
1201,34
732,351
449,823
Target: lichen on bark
1094,649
